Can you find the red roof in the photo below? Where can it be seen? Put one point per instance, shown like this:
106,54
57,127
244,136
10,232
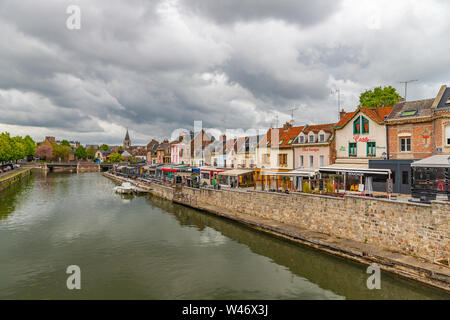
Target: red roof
316,128
287,136
376,115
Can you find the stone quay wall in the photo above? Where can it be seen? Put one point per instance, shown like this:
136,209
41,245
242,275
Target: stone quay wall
415,229
9,180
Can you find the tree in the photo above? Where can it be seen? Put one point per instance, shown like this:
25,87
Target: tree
120,149
115,157
65,143
30,146
91,152
6,147
61,151
379,97
19,148
44,152
104,147
81,153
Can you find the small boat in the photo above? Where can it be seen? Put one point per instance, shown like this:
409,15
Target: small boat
125,188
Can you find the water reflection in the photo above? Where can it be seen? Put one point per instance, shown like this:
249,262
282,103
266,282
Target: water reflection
9,196
329,272
143,247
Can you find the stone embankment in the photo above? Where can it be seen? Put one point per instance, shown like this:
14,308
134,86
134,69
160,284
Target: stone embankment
410,240
10,178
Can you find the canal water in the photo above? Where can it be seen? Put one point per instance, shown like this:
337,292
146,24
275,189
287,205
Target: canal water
148,248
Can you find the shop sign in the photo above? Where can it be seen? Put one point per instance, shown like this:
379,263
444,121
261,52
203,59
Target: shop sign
359,139
310,149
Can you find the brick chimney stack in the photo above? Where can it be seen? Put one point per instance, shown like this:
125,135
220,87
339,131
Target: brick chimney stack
342,114
287,125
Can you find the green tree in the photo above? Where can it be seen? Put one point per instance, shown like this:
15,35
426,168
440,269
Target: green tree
81,153
65,143
115,157
6,147
120,149
91,152
30,146
19,148
379,97
61,152
104,147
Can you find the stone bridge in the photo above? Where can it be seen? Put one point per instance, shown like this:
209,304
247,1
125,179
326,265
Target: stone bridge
75,166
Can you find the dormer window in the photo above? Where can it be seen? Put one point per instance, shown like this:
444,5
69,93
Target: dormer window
301,139
311,138
321,137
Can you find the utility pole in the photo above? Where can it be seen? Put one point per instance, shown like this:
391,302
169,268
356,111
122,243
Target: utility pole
406,85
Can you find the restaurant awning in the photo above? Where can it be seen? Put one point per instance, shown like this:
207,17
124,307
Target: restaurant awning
354,168
437,161
292,173
235,172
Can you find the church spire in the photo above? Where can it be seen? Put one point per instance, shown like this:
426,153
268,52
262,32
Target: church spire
126,141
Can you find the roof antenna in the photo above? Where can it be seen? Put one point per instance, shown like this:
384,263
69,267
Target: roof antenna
338,91
406,85
292,113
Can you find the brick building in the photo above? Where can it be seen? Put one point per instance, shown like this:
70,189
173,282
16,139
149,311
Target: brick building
415,130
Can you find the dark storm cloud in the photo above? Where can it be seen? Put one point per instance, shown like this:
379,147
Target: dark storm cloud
302,12
154,66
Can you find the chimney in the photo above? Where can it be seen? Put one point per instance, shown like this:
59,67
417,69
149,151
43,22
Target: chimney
223,137
342,114
287,125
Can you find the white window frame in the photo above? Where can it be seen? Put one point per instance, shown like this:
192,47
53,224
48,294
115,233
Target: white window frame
311,161
321,137
406,144
302,163
447,135
313,138
301,139
321,161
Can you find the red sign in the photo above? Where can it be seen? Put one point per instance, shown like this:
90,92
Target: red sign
310,149
358,139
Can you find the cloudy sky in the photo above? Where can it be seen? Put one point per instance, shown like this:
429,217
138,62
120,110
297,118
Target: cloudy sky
157,65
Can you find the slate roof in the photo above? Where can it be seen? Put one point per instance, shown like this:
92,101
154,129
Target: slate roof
445,100
423,108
